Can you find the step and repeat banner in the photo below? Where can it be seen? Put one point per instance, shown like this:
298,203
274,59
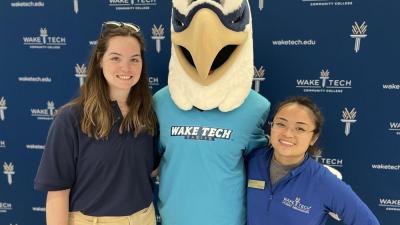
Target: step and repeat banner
343,53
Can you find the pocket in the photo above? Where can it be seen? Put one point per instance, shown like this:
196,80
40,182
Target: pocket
145,210
78,218
148,216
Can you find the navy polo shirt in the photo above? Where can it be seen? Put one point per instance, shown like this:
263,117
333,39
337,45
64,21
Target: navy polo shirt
107,177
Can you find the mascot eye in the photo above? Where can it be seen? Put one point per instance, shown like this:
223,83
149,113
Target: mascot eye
179,22
178,19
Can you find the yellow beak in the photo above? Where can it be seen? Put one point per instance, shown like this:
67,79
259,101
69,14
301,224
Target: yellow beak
204,38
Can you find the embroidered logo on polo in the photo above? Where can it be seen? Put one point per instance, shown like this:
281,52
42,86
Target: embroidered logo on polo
349,117
359,32
80,73
44,40
296,205
44,114
324,84
158,35
3,107
9,171
390,204
201,133
5,206
259,76
394,127
132,4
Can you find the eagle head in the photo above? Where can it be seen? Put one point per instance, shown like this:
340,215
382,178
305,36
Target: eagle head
212,54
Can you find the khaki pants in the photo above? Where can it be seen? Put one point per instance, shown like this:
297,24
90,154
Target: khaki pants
143,217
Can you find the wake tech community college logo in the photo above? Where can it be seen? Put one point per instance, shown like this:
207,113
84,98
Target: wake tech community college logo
80,73
325,84
258,77
2,144
201,133
261,4
44,114
348,117
3,107
296,205
390,204
132,4
158,35
76,6
44,40
9,171
359,31
395,127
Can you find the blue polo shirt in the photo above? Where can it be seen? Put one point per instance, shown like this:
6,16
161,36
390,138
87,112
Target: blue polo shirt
304,196
107,177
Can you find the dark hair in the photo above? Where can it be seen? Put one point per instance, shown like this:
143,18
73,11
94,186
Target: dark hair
97,113
306,101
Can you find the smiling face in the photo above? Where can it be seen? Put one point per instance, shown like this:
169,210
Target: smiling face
292,133
122,64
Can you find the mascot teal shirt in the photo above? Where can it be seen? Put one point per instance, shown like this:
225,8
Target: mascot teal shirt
202,174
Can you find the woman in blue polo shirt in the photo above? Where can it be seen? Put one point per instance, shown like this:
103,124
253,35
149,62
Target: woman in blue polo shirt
286,186
99,152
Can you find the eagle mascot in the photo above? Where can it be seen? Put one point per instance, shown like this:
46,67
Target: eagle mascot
208,115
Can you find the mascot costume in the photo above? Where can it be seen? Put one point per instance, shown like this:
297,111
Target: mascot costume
208,115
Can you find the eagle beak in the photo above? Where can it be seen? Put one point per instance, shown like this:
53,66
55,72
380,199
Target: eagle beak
206,48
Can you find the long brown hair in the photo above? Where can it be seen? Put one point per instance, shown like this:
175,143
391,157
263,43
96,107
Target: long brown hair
97,113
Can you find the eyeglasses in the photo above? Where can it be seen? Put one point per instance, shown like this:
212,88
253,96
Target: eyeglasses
115,24
283,126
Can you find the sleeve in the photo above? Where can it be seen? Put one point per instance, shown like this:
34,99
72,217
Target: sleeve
258,138
342,200
58,163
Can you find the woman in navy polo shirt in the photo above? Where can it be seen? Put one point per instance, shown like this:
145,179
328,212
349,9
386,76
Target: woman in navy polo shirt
286,186
99,152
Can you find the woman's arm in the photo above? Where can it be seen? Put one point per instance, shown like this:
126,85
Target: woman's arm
342,200
57,207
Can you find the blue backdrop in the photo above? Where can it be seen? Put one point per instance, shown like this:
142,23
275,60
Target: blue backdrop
344,54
